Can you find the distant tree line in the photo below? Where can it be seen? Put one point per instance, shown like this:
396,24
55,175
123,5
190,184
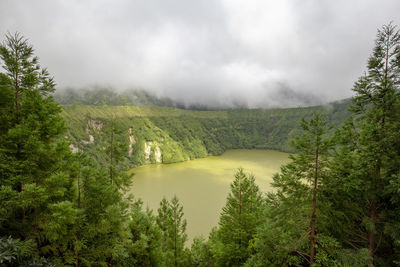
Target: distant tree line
335,204
100,95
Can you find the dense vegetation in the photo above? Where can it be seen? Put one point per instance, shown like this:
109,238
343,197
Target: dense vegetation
186,134
335,204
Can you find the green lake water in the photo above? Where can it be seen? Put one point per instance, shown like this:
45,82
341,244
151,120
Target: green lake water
202,185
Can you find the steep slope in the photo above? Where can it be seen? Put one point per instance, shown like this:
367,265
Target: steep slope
166,134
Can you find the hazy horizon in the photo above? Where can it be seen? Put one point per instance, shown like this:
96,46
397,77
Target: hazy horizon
217,53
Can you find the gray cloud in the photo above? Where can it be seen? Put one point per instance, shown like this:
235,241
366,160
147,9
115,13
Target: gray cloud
256,53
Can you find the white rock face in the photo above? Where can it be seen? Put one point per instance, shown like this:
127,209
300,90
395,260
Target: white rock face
91,140
73,148
94,125
157,154
131,142
147,149
132,139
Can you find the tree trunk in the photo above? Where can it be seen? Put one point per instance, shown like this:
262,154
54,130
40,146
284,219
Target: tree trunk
240,209
79,188
111,152
76,262
314,209
16,77
20,188
378,177
371,235
175,249
16,84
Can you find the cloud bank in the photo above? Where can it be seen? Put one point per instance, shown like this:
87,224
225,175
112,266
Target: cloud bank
256,53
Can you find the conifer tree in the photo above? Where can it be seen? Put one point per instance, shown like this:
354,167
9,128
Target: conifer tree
65,204
295,213
35,180
102,229
145,236
173,228
367,161
238,221
116,152
376,95
201,254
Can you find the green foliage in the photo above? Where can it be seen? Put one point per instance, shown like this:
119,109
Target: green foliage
287,230
173,232
33,158
102,223
62,205
366,162
238,221
14,252
356,185
146,238
201,253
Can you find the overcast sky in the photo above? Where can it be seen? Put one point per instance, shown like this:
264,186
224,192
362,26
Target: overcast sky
260,53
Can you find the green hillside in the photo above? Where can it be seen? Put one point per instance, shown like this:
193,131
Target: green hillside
166,134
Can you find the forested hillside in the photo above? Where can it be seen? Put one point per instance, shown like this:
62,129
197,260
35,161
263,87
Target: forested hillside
166,134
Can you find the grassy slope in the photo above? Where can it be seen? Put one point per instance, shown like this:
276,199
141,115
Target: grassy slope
187,134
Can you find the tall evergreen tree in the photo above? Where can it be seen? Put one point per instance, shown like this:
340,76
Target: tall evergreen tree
65,204
296,213
35,180
104,217
367,161
238,221
116,152
146,238
173,228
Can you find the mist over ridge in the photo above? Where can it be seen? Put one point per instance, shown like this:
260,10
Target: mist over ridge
108,95
211,53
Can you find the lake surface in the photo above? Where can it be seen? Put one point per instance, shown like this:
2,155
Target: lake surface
202,185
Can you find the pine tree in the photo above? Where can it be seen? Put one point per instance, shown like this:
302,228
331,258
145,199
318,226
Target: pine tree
296,213
238,221
173,228
367,161
35,179
376,93
64,203
201,254
116,152
102,229
145,236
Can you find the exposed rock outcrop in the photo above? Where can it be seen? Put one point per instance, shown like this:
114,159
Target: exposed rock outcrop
94,125
152,147
147,149
157,154
73,148
91,140
131,142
